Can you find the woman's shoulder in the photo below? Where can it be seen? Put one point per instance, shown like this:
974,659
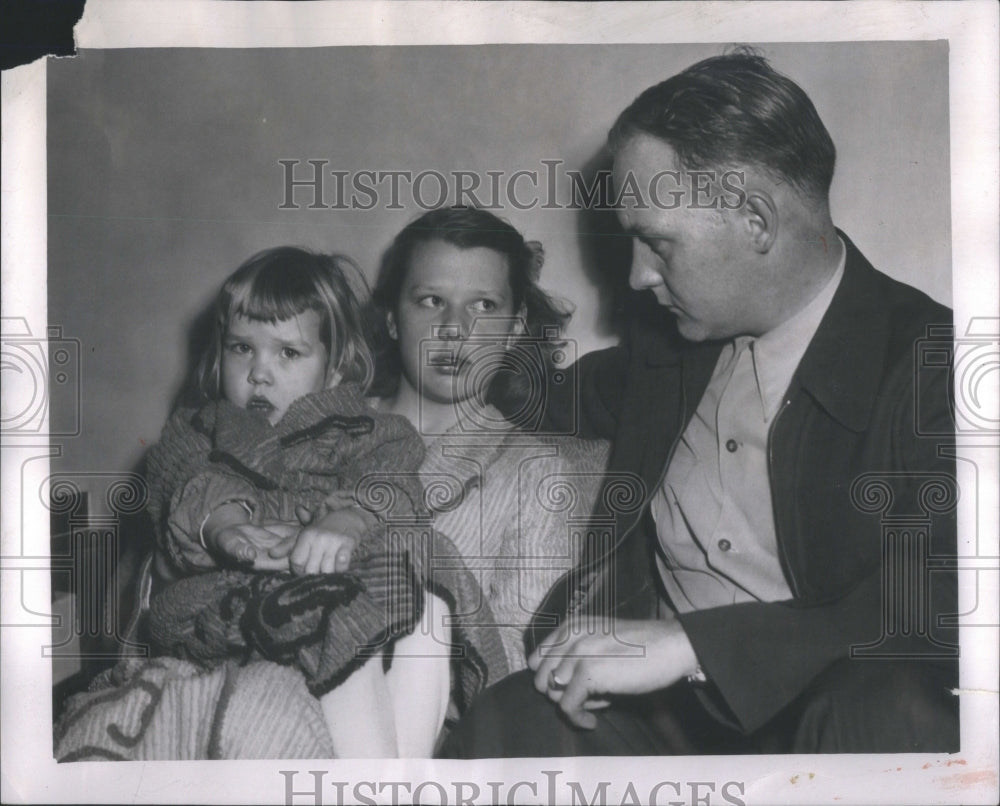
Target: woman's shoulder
554,453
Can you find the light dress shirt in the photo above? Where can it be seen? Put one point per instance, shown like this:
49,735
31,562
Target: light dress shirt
713,511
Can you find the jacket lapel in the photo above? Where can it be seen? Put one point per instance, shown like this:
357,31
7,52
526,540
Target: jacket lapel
842,367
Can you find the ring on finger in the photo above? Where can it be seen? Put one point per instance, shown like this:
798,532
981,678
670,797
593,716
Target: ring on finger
555,683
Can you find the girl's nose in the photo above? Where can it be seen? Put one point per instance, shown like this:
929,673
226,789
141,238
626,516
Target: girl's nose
260,373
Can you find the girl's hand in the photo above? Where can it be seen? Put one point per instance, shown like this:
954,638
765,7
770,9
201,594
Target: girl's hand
327,539
321,551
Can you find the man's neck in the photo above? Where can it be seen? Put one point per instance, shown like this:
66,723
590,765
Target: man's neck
804,268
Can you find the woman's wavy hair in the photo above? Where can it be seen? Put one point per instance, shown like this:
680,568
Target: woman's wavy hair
543,316
277,284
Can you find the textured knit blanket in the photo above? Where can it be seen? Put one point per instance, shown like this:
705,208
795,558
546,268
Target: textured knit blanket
173,709
327,625
216,698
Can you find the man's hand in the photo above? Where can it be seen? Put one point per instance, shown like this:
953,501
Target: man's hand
580,664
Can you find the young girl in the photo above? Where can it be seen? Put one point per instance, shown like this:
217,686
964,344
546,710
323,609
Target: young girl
266,481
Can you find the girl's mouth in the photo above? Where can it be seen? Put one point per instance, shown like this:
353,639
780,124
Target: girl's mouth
261,404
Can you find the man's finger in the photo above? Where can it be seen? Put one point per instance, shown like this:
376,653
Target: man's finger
544,648
596,704
554,673
575,696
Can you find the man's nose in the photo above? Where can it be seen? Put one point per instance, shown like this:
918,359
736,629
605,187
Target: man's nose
643,273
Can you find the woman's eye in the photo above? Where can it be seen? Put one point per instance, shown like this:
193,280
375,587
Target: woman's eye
429,301
485,306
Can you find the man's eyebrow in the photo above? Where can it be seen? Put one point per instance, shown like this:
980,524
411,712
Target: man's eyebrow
643,233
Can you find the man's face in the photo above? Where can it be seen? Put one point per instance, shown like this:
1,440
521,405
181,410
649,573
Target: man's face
694,259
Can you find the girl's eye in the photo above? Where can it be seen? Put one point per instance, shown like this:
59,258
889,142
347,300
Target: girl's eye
429,301
289,352
238,347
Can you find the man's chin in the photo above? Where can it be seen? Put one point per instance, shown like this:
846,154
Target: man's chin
693,331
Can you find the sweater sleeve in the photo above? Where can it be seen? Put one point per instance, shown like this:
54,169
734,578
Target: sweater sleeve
190,507
185,489
542,541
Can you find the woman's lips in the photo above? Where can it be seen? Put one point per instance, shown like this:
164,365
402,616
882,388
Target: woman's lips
443,360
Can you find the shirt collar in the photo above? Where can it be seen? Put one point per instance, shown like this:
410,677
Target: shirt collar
776,354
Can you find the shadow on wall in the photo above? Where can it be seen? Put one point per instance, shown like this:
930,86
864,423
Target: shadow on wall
606,252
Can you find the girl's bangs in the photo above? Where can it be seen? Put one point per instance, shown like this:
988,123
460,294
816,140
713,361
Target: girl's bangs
270,301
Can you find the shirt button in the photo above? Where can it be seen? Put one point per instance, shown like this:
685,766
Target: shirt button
731,445
725,545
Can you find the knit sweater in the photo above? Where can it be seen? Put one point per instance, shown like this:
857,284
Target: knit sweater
326,442
514,505
326,625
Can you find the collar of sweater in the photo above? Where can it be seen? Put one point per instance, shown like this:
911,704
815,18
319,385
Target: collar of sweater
241,432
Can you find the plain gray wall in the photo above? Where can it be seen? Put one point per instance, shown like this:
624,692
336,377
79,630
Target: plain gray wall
164,176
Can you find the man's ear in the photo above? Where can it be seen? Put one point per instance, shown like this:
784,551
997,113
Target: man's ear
762,218
390,325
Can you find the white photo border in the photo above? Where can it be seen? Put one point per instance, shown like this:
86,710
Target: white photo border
29,772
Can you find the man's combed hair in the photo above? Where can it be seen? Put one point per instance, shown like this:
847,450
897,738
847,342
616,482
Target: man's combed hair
732,110
277,284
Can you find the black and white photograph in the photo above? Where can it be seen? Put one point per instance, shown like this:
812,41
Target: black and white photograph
474,403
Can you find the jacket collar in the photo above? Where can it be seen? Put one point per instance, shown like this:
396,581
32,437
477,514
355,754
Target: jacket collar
842,367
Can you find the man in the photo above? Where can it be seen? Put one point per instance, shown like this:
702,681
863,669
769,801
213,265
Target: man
767,403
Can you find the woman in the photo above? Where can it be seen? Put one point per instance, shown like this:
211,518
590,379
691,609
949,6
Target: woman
470,333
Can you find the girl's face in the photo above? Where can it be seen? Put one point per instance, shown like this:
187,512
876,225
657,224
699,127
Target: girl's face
267,367
444,290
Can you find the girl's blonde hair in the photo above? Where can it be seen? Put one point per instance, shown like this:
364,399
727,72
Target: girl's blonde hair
277,284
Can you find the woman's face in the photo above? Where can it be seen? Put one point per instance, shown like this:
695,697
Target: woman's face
449,293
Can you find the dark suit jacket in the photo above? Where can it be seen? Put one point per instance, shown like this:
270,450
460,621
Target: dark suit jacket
859,403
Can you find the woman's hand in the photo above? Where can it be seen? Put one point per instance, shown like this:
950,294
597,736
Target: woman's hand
583,662
263,546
